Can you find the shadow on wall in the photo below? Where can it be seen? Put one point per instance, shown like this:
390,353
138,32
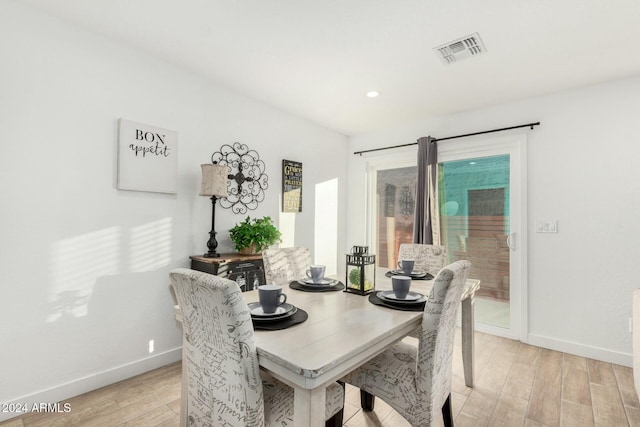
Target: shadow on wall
119,323
96,312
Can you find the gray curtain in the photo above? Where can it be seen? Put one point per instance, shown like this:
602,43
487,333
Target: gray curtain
426,221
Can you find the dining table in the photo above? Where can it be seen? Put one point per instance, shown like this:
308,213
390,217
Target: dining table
343,331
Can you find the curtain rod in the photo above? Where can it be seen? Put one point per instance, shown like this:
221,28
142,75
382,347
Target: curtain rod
451,137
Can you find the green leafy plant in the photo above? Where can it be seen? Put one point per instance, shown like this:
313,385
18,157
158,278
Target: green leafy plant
354,277
257,232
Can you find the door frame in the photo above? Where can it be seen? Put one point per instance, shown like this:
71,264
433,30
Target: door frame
402,158
515,146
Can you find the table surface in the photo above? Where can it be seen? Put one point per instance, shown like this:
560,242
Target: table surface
341,326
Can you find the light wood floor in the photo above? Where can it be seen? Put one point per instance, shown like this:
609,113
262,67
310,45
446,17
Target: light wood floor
516,385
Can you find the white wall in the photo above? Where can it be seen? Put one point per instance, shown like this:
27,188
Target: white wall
84,266
583,172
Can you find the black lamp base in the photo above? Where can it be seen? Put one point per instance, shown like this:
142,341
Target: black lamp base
212,244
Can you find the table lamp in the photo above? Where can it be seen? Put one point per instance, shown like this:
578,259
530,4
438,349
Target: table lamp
214,185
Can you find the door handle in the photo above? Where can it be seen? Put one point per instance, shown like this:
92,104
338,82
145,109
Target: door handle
511,241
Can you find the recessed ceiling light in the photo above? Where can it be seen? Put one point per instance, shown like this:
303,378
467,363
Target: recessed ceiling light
373,94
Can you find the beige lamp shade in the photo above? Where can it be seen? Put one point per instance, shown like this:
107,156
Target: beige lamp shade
214,180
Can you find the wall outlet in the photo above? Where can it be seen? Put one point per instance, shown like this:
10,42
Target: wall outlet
546,226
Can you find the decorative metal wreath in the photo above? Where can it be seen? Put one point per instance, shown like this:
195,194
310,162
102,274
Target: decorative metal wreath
246,172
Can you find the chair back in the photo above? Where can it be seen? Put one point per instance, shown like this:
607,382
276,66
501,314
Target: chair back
223,377
429,258
435,348
283,265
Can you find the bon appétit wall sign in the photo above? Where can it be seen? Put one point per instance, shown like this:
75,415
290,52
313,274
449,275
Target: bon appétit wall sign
147,157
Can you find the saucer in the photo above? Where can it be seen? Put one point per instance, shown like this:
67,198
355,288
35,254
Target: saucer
281,311
412,297
310,282
262,320
414,273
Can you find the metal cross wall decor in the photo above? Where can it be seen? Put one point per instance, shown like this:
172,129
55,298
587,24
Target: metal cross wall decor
246,172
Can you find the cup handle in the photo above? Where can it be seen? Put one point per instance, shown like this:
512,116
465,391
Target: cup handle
308,273
399,264
284,300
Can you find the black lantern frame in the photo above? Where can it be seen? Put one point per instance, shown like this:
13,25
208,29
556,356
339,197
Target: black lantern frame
361,274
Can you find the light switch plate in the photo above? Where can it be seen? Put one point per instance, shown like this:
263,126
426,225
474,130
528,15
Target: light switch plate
546,226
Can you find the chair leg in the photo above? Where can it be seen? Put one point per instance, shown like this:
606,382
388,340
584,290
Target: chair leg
367,401
447,414
336,420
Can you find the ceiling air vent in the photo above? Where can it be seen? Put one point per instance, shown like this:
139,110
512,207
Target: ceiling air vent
460,49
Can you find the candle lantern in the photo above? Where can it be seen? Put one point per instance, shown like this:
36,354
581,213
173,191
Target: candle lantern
361,271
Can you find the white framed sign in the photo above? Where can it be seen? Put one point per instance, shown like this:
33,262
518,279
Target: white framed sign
147,158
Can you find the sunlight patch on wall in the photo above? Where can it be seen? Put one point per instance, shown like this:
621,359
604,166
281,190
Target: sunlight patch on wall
150,246
287,227
76,264
326,225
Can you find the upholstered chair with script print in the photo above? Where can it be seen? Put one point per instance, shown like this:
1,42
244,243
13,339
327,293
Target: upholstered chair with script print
281,266
429,258
222,382
416,381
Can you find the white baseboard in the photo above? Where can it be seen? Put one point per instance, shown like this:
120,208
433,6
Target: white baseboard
93,382
616,357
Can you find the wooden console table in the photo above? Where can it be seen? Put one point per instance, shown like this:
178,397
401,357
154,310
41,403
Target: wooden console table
246,270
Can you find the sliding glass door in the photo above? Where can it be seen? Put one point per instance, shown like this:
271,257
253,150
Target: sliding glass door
481,192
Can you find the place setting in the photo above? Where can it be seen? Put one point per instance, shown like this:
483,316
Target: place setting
315,281
272,311
406,268
400,297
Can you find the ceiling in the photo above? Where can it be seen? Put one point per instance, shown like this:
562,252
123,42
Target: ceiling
317,59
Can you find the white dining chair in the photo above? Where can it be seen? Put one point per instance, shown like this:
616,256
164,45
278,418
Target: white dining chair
283,265
223,384
416,381
429,258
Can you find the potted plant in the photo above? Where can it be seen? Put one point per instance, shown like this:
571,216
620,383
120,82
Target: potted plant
251,236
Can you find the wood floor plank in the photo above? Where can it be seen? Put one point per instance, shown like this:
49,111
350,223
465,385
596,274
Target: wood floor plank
510,411
161,416
624,378
480,403
519,382
466,420
544,404
576,415
607,406
575,386
601,373
633,415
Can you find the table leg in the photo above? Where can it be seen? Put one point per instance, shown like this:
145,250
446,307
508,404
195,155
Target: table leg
309,406
467,339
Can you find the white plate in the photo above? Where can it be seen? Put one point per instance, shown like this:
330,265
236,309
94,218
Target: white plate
412,297
261,319
282,310
308,281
